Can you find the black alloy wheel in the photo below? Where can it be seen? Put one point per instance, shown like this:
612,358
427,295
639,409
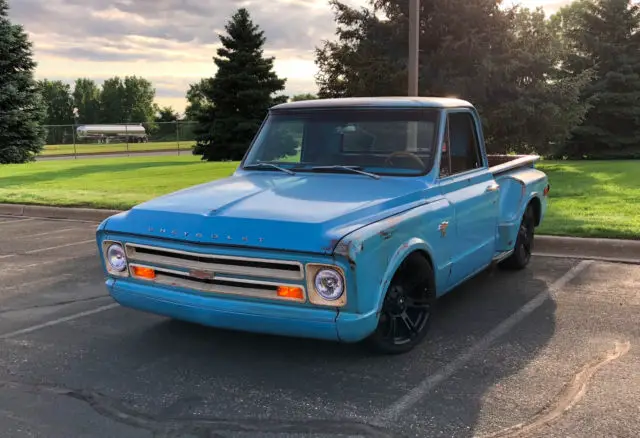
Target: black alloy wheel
524,242
407,309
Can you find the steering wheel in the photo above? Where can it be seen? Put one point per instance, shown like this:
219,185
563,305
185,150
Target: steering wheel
405,154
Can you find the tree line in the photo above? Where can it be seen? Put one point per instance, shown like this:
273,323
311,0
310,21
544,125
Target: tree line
563,86
117,100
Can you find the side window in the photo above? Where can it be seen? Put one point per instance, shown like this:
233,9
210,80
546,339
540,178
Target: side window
463,143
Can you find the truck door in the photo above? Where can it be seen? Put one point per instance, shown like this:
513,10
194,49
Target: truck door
468,185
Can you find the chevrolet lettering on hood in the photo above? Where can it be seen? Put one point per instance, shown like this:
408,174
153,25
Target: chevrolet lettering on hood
213,236
346,220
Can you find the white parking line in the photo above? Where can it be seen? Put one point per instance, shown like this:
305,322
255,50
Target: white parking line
424,387
39,281
48,233
57,321
16,221
53,219
19,268
36,251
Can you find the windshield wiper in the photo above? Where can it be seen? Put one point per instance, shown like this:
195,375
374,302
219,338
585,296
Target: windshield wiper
355,169
271,165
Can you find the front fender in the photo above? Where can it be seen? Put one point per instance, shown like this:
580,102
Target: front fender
374,252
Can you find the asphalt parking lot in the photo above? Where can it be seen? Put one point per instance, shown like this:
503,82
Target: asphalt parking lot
549,351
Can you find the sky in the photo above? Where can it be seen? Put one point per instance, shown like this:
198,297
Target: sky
172,42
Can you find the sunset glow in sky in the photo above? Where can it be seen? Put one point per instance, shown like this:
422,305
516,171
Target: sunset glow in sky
171,42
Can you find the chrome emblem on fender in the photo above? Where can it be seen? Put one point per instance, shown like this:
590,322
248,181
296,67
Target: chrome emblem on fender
443,228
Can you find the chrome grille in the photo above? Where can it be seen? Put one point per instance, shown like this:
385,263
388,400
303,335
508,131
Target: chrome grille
215,284
220,264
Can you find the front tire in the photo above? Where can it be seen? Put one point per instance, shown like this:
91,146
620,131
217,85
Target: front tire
524,243
407,310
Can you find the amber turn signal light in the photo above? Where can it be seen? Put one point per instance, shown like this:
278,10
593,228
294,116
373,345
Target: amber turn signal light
290,292
142,272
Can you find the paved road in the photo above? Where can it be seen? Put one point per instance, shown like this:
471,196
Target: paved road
506,349
115,155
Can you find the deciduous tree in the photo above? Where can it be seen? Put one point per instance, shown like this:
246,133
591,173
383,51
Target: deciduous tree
59,103
504,60
128,100
606,37
303,96
197,99
86,97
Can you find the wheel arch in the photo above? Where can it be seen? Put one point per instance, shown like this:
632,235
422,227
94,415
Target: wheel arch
406,250
536,204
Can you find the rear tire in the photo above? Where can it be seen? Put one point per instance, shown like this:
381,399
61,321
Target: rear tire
524,243
408,308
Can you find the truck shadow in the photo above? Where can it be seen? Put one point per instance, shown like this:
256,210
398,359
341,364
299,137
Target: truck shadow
363,383
175,378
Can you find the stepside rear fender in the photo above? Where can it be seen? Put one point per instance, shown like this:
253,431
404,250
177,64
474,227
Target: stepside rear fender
517,190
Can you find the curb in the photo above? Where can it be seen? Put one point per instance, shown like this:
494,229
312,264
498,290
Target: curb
617,250
612,250
46,212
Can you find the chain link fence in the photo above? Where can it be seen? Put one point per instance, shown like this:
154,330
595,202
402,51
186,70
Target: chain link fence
73,141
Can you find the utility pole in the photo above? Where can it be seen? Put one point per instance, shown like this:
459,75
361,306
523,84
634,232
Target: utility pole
414,45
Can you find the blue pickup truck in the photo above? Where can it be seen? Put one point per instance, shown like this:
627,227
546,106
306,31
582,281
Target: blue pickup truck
346,220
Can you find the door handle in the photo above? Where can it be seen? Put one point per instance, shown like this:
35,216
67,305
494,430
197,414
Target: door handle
493,187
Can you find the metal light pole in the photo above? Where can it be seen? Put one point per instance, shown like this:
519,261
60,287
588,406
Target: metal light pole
414,45
414,38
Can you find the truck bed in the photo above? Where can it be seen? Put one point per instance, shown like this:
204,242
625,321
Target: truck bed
499,164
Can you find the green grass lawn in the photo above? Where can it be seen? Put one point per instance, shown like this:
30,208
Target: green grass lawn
104,182
593,199
587,198
63,149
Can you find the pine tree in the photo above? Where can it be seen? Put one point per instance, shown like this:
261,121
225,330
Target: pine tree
242,91
609,40
22,111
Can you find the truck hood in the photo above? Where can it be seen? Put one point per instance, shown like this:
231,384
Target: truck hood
303,212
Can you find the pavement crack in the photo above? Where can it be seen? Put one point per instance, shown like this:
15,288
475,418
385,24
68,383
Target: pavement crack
572,392
202,426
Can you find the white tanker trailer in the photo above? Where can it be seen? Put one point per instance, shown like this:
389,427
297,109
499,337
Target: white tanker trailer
105,133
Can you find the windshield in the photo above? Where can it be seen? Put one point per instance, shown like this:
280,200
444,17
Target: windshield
382,141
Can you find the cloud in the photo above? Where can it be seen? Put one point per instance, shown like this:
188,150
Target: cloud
162,39
170,42
288,24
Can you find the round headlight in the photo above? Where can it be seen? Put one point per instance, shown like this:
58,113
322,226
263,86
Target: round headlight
116,257
329,284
